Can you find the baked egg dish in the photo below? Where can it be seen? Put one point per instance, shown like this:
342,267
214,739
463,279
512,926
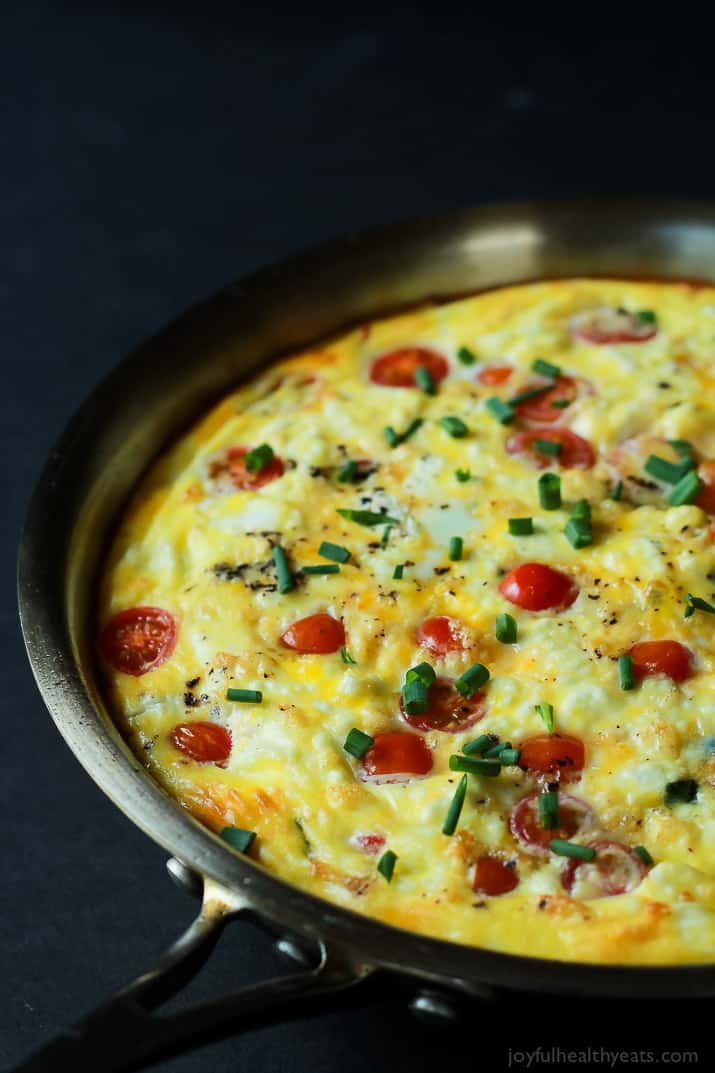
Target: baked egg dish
423,619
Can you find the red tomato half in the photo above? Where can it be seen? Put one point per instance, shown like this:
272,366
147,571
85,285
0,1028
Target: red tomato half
398,368
492,876
616,869
662,657
575,453
395,757
207,743
448,709
441,635
706,497
492,375
537,587
319,633
608,326
232,470
541,410
555,754
139,639
575,817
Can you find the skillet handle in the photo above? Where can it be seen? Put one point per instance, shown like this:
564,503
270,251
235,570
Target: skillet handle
123,1035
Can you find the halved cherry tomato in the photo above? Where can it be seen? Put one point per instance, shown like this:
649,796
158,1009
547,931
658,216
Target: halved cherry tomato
398,368
541,410
606,326
448,710
396,756
615,869
537,587
138,639
207,743
575,817
319,633
492,876
369,843
576,453
231,470
662,657
441,635
706,496
492,375
557,754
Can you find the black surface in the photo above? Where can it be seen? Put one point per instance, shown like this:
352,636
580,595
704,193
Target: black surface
148,157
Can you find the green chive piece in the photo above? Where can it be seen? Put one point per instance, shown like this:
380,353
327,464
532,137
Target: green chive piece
683,447
425,381
237,838
466,357
456,547
321,568
478,745
398,571
386,865
423,672
346,657
454,426
392,437
259,458
395,438
348,473
509,757
643,854
455,809
545,368
668,472
366,517
336,552
646,316
495,750
505,630
307,844
548,447
549,485
531,393
626,673
473,766
521,526
581,509
545,711
549,816
560,404
686,490
463,475
681,792
385,536
578,532
286,581
503,412
563,848
472,680
358,743
696,603
617,491
412,428
414,697
245,696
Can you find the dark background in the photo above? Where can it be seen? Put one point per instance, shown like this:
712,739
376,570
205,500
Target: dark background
150,155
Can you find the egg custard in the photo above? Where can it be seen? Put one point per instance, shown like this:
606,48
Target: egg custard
423,619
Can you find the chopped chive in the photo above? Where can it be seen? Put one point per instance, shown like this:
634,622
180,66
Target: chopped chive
238,838
245,696
617,491
395,438
532,393
348,473
626,673
422,672
545,711
385,536
260,457
581,509
510,757
463,475
569,849
321,568
696,603
415,700
646,316
503,412
454,426
668,472
683,447
578,532
686,490
549,485
455,809
465,355
521,526
643,854
398,571
425,380
495,750
681,792
474,766
346,657
472,680
456,547
358,743
548,447
478,745
336,552
545,368
549,816
392,437
560,404
286,582
366,517
307,844
386,865
505,630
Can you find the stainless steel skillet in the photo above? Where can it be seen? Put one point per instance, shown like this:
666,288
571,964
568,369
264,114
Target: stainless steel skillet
146,402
